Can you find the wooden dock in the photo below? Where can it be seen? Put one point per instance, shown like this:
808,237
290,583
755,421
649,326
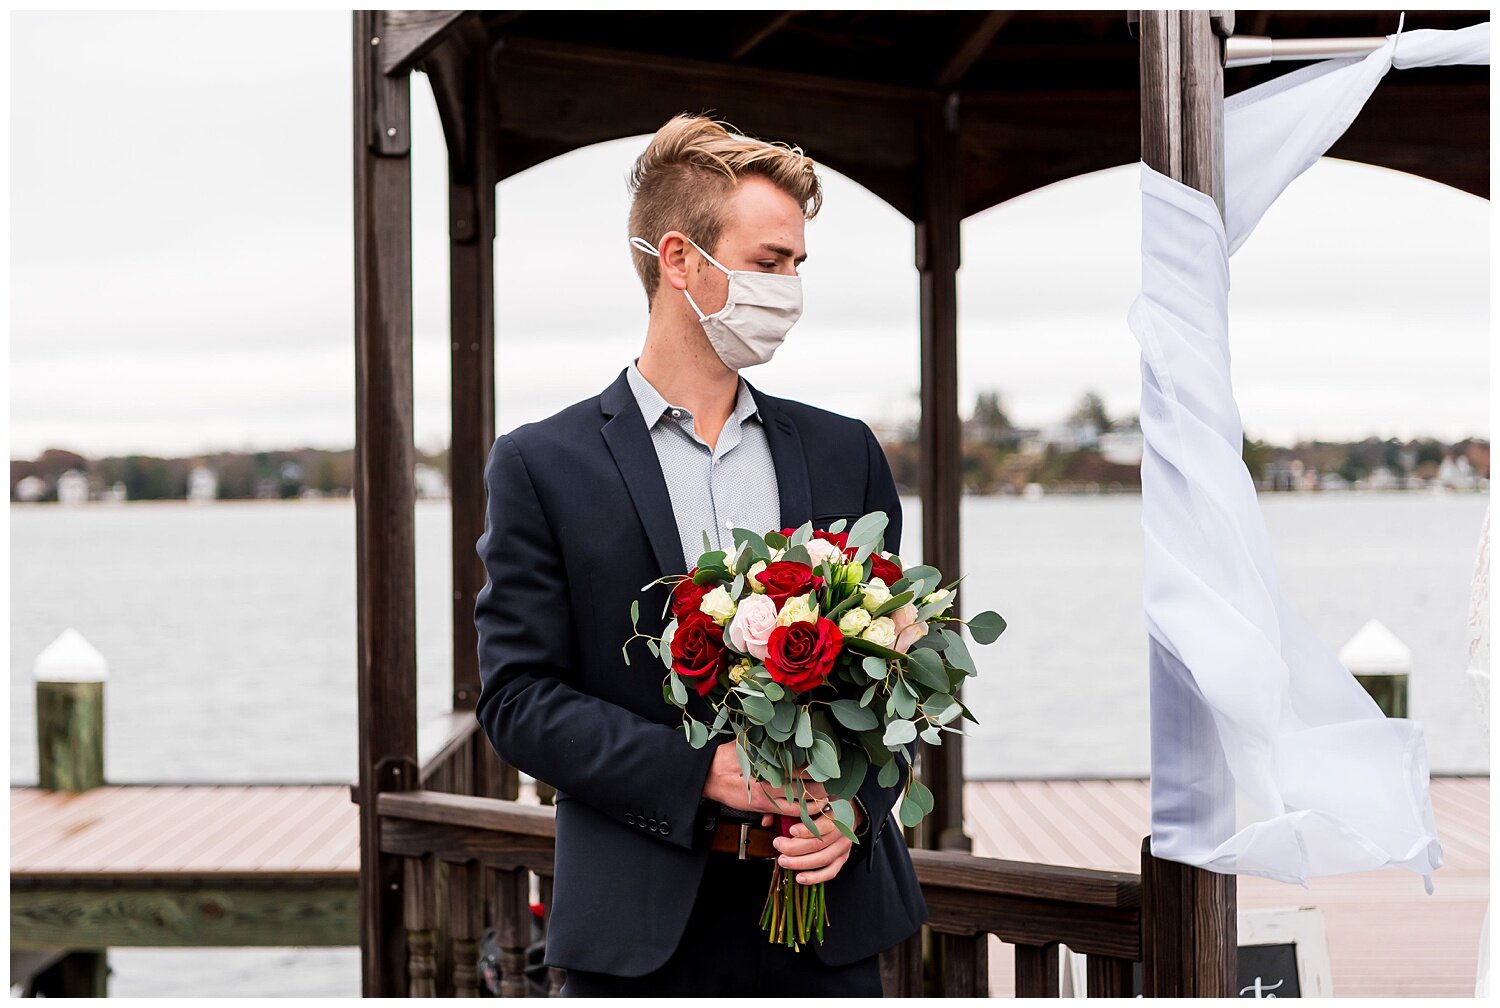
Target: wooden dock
235,865
1386,936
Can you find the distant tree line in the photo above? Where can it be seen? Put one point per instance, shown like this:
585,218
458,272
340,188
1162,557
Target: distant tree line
239,475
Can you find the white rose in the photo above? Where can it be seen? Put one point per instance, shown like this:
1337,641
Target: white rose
881,631
750,578
801,609
819,550
718,605
876,595
938,596
853,622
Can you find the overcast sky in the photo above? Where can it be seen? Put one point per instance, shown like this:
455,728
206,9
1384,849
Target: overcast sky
182,258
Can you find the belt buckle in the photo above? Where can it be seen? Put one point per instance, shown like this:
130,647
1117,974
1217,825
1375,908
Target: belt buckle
744,841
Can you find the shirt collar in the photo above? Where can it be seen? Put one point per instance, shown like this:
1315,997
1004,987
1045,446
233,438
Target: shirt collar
653,405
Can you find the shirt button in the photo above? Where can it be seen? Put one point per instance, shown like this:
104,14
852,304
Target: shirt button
677,412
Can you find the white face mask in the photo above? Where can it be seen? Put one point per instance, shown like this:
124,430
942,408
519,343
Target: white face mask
761,307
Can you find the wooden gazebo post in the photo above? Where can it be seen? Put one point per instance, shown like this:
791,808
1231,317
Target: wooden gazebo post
384,488
939,216
1188,914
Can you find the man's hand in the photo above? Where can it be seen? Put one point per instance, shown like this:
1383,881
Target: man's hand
726,784
816,859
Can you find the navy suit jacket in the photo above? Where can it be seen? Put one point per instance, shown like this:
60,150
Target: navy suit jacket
578,519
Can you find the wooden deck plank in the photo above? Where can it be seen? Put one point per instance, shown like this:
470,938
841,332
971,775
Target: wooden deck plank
327,843
181,836
116,830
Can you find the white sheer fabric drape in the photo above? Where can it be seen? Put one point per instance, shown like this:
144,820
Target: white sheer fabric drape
1267,757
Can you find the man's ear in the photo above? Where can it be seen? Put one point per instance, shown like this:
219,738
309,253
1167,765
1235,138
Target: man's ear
673,249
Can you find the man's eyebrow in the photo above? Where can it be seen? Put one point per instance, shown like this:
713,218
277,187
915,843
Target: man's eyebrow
782,250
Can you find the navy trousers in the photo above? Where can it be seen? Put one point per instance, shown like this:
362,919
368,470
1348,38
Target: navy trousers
724,952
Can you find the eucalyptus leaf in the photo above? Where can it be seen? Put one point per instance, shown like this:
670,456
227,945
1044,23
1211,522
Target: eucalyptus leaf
853,764
917,792
801,534
875,667
651,646
868,647
797,554
679,691
785,719
757,708
803,735
851,715
924,665
957,652
933,734
910,813
698,734
773,689
825,759
635,611
889,774
838,526
898,732
868,529
950,712
737,586
892,604
625,652
923,578
904,704
986,627
774,541
867,695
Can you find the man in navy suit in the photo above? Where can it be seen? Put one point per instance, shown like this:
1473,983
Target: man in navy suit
663,853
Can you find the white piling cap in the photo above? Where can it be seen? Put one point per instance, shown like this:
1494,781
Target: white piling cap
1375,651
70,658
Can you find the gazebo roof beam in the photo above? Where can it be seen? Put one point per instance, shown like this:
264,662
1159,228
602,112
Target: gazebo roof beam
412,34
758,33
971,47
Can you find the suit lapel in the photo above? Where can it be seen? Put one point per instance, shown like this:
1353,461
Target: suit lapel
630,443
791,461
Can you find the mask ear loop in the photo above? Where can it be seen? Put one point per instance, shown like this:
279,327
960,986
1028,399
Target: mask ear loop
642,245
1397,40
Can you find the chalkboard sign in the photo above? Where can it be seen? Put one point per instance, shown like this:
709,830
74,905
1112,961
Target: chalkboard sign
1283,953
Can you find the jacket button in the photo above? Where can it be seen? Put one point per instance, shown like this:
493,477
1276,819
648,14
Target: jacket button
664,827
651,825
630,818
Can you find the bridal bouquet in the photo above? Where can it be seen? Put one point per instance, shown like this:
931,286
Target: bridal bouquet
823,658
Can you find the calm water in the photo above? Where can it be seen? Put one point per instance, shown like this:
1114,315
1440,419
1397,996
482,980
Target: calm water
230,628
230,633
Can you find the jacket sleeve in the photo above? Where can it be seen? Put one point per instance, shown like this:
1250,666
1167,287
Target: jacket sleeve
881,495
636,771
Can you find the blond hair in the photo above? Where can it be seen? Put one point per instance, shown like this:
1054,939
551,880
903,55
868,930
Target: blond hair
681,180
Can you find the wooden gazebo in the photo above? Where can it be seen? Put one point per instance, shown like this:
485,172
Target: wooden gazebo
942,114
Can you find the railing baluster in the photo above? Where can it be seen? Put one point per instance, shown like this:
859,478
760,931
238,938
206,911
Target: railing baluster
1037,970
901,968
1108,976
513,928
464,915
966,964
418,911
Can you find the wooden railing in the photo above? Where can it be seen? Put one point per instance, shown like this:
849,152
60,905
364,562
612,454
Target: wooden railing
470,861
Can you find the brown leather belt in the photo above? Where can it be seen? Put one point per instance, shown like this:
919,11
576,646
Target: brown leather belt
746,840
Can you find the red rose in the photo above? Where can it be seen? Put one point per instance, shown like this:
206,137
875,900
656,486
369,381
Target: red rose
786,578
686,595
884,570
800,655
698,650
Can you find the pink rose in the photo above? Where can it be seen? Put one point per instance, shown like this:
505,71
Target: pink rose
750,630
908,629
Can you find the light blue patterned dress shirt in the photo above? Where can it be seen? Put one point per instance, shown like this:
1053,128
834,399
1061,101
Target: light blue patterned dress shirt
732,485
